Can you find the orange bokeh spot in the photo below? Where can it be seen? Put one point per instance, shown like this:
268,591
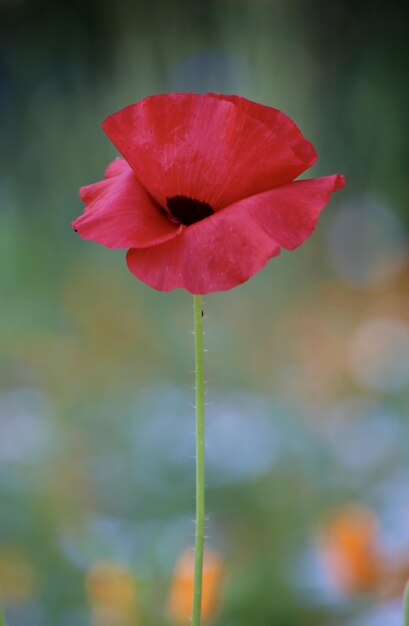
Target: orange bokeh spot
111,592
181,592
18,582
349,549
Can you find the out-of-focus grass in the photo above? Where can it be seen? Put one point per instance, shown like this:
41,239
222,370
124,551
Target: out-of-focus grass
96,431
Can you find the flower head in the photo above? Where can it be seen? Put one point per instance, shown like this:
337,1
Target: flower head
205,194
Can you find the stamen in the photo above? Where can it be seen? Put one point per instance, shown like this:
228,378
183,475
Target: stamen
187,211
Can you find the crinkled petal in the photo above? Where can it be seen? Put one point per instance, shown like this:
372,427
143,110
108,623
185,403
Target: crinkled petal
89,193
216,254
118,166
202,147
289,213
120,213
279,123
226,249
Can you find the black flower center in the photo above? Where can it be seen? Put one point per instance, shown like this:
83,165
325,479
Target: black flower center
188,211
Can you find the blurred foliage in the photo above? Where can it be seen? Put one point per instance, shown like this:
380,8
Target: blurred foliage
308,363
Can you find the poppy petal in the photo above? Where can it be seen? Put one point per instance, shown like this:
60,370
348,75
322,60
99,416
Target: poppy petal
118,166
227,248
201,147
289,213
279,123
119,212
216,254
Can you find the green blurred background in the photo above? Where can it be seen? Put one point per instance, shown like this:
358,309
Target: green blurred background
308,363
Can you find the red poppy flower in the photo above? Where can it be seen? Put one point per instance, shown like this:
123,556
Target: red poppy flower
205,194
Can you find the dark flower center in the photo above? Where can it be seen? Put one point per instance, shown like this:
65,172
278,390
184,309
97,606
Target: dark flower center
188,211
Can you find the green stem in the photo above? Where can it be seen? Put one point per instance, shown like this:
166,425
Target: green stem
2,620
406,606
200,463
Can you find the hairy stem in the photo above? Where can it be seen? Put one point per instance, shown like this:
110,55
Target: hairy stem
200,463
